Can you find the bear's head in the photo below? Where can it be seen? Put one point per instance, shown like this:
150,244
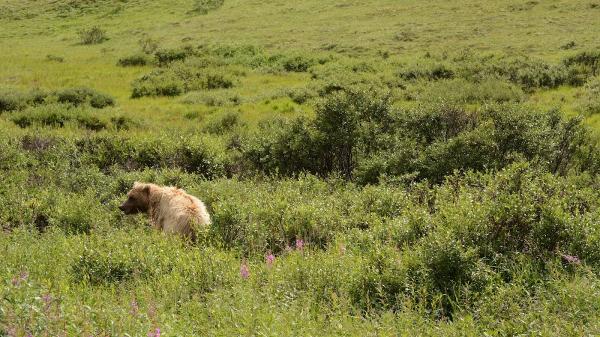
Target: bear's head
138,199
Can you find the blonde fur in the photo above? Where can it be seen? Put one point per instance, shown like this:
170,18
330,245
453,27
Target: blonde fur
171,209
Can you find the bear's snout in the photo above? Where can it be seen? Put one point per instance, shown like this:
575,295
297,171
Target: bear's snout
127,208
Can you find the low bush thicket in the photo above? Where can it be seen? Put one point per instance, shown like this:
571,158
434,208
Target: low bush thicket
460,91
134,60
589,101
83,95
428,70
59,115
358,134
191,68
202,155
377,247
205,6
223,123
526,72
166,56
212,98
435,252
587,61
92,35
12,100
179,78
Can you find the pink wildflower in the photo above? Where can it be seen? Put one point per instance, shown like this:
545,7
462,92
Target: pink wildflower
299,244
570,259
17,280
152,311
244,270
134,308
270,258
47,298
155,333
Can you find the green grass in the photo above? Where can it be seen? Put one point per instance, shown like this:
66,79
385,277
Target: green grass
456,214
405,29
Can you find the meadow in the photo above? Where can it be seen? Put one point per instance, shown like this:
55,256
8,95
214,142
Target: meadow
374,168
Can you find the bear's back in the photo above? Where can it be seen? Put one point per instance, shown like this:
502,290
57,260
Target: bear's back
179,211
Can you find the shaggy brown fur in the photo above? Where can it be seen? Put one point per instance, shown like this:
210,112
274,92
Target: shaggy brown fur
170,209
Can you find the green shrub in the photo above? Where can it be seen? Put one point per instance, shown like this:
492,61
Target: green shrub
300,95
58,115
83,95
92,123
589,102
166,56
202,156
499,135
199,155
122,122
71,213
224,124
11,100
212,98
347,75
179,78
204,6
93,269
55,58
536,75
358,134
37,143
157,83
92,35
216,81
589,60
297,63
347,119
16,100
461,91
283,147
104,261
427,71
133,60
526,72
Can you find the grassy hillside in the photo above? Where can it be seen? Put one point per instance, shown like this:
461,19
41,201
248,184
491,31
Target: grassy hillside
372,168
32,30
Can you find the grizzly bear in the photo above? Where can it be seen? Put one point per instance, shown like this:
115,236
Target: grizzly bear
170,209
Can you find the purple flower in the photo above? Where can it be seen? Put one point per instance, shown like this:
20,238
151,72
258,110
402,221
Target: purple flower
152,311
571,259
244,270
299,244
270,258
155,333
134,308
17,280
47,298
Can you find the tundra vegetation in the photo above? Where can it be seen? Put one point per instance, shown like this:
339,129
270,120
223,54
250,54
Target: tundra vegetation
376,168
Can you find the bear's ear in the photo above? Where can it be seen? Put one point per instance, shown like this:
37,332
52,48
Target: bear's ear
141,187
